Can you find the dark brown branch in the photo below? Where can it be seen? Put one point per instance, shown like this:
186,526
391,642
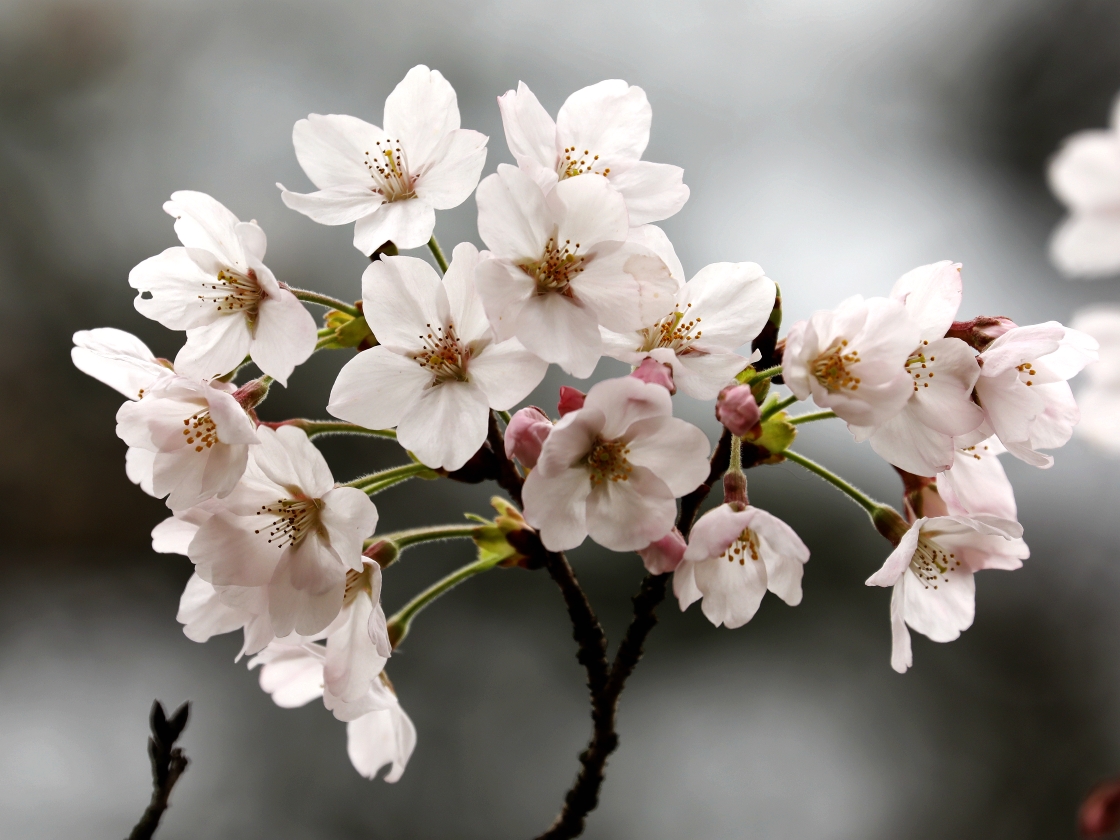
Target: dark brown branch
168,764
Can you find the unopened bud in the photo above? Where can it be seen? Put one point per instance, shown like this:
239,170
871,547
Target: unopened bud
889,523
571,399
655,373
981,330
737,409
252,393
526,434
665,554
382,552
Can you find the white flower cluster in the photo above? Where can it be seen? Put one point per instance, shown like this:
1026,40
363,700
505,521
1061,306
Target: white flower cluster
574,270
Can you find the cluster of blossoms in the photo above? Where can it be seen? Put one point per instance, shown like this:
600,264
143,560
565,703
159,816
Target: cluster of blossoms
574,270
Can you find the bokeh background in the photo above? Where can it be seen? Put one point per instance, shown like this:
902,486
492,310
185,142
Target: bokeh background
837,144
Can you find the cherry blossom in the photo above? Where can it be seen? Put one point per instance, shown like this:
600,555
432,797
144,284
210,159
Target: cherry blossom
716,312
217,288
438,369
390,180
931,571
614,468
1099,397
735,554
601,130
526,434
853,359
118,359
977,484
560,266
287,527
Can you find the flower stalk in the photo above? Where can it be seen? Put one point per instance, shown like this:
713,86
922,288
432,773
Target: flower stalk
400,622
308,296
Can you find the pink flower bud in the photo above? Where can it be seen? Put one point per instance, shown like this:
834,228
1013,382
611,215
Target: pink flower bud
252,393
655,373
737,409
571,399
981,330
665,554
382,552
1099,814
525,435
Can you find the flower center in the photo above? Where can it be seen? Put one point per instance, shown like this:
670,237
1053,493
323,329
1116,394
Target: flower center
200,431
388,167
607,461
294,520
745,545
672,331
443,355
1026,371
556,268
917,367
831,367
572,163
931,563
234,292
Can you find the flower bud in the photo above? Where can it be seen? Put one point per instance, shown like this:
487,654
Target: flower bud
382,552
525,434
571,399
889,523
655,373
1099,814
737,410
981,330
665,554
253,392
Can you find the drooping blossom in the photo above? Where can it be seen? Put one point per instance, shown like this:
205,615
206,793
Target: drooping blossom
390,180
931,571
119,359
525,435
1085,175
614,468
560,266
438,369
735,554
287,527
217,288
852,359
1099,397
600,130
919,438
715,313
206,610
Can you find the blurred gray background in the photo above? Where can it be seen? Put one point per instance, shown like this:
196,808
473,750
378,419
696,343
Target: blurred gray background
837,144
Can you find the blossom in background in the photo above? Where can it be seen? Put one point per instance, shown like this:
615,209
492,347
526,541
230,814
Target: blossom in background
1099,397
288,527
217,289
931,571
734,555
715,313
852,359
600,130
438,369
560,267
389,180
943,371
1085,175
614,468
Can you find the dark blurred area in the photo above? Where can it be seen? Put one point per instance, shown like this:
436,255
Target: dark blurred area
838,145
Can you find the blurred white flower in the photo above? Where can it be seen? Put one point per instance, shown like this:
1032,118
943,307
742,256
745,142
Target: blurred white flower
1099,397
392,180
218,290
438,369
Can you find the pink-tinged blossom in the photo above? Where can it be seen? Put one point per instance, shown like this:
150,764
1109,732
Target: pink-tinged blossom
665,554
1085,175
390,180
614,469
715,313
931,572
600,130
853,359
438,369
1099,396
1022,388
217,288
737,409
525,435
287,527
735,554
560,266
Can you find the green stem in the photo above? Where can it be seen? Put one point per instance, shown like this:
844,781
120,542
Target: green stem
772,409
378,481
434,533
399,622
809,418
736,463
768,373
325,300
437,252
505,415
861,498
314,428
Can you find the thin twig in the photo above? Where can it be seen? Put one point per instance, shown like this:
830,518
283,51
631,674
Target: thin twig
168,764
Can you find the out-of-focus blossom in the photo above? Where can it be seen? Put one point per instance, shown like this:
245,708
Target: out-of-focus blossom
438,369
1099,397
217,288
392,180
525,435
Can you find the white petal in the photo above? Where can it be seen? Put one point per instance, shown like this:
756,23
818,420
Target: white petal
932,296
684,585
504,288
447,425
513,220
338,205
203,615
530,131
205,223
352,660
560,331
376,388
333,149
557,506
653,238
703,375
898,561
630,514
653,191
732,590
626,288
1085,173
228,551
407,223
465,305
380,738
714,532
117,358
285,336
507,373
215,349
230,420
783,553
174,279
911,445
421,109
610,119
289,458
173,536
941,613
349,516
977,483
587,211
305,593
138,466
942,396
625,401
901,655
673,449
403,301
292,674
731,303
453,171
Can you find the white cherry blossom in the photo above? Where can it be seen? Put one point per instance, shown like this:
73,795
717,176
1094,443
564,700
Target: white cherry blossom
716,312
289,528
1099,397
560,266
390,180
438,369
614,468
119,359
931,572
217,288
853,359
600,130
735,554
977,483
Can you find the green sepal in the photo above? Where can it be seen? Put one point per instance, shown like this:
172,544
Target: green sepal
348,331
491,537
